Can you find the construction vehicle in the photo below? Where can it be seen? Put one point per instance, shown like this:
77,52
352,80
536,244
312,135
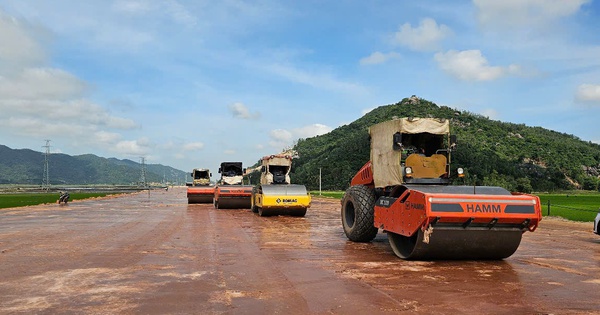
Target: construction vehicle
200,189
405,190
230,191
275,194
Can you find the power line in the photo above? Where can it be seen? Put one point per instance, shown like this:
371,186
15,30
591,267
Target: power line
143,174
46,175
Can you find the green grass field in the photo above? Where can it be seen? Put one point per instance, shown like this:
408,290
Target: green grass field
328,194
573,206
576,206
29,199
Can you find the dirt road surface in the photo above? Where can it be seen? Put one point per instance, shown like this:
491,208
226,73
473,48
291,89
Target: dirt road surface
152,253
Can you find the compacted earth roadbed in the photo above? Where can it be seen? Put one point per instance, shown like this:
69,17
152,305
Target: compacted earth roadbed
152,253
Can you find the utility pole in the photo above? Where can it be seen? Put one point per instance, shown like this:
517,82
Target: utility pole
46,175
143,175
319,181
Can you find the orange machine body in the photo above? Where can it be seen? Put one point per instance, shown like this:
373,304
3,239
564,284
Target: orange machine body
418,206
416,209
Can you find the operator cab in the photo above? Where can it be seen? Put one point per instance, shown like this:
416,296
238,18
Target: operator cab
425,157
279,173
201,174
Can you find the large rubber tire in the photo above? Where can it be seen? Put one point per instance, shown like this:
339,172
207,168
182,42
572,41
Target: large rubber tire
358,213
253,206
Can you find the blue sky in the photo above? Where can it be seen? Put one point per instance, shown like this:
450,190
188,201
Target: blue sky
193,83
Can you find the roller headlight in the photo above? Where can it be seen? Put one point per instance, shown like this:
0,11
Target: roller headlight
408,171
461,172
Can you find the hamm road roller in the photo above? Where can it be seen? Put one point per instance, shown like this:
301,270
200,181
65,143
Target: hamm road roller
200,190
404,190
276,195
230,191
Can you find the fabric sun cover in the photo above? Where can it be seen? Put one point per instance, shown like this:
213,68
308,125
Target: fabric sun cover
387,170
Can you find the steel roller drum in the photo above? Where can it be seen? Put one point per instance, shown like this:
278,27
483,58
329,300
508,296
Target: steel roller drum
448,243
284,190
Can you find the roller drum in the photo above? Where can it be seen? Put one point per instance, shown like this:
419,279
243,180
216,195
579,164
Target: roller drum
197,198
284,190
457,244
234,203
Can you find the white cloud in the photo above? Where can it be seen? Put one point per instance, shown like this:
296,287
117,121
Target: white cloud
280,135
37,100
378,58
76,112
171,9
106,137
20,44
426,37
193,146
239,110
588,93
132,147
179,13
310,131
132,6
511,14
120,38
491,113
471,65
229,152
281,138
323,81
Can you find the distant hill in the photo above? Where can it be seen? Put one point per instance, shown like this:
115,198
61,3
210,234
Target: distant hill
24,166
514,156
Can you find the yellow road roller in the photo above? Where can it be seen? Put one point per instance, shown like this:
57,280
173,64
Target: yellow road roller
275,195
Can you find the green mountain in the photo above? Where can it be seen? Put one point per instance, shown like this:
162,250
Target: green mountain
514,156
24,166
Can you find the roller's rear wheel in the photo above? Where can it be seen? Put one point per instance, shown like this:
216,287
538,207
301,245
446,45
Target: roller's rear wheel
253,206
358,213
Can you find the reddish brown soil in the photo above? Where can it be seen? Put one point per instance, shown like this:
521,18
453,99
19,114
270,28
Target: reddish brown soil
152,253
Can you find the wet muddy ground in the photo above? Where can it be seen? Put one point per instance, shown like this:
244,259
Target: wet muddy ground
152,253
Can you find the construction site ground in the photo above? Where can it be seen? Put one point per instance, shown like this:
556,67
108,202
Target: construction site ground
152,253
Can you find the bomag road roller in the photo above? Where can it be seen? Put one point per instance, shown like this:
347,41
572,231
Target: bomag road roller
275,194
230,191
200,190
404,190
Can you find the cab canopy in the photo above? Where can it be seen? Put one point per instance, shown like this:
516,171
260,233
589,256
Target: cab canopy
388,139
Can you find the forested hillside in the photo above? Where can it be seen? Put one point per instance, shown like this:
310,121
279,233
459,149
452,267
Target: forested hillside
514,156
24,166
